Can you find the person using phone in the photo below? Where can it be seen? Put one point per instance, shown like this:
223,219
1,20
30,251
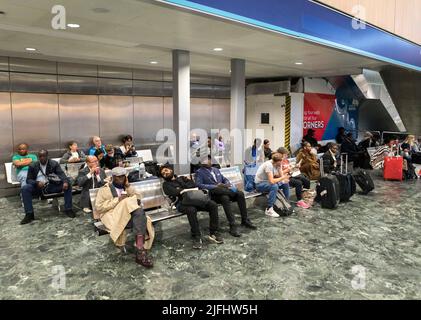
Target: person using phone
128,148
90,177
118,204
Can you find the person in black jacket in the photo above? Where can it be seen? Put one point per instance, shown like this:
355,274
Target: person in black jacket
173,186
309,137
90,177
330,159
113,158
45,176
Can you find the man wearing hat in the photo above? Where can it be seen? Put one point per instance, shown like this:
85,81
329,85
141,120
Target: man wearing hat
117,205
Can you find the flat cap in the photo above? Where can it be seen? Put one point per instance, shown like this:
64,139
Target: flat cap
118,171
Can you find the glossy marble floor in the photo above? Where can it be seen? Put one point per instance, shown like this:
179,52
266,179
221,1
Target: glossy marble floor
369,248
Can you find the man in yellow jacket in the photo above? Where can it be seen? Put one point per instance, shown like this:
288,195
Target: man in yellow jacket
117,205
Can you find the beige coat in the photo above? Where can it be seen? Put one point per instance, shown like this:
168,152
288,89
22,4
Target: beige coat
116,215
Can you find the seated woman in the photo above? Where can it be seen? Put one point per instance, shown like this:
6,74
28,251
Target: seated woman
330,159
128,148
113,157
309,164
73,154
414,151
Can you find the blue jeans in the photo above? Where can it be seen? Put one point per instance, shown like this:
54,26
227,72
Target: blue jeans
21,177
29,190
272,189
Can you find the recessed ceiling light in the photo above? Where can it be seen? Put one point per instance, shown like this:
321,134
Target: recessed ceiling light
30,49
298,63
73,25
218,49
154,62
100,10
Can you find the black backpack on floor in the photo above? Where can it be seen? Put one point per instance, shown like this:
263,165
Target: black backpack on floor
282,205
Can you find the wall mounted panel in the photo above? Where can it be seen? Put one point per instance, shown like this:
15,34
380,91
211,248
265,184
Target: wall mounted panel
148,119
148,88
4,63
32,82
6,138
221,114
116,118
35,120
4,81
79,119
143,74
76,69
115,86
33,65
201,114
77,84
115,72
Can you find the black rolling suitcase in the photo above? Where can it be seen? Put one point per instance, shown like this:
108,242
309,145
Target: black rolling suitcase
327,190
364,181
347,186
282,205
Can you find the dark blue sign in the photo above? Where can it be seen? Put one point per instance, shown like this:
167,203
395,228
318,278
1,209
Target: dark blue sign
310,21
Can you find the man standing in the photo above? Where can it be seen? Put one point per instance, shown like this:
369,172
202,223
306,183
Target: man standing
269,179
90,177
223,192
117,204
21,161
45,176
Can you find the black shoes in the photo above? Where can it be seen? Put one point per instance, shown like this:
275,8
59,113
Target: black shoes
70,213
234,231
247,223
197,243
29,217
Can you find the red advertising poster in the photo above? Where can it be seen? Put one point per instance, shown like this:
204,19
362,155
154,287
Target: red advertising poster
318,109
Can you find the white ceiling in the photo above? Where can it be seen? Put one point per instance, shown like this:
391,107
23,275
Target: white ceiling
135,32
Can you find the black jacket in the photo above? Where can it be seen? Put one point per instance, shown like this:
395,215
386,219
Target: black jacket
88,183
329,163
52,167
112,162
310,140
173,188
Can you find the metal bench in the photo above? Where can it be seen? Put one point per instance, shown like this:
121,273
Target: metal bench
156,205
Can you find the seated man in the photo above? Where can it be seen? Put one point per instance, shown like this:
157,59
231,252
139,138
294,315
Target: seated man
269,179
117,205
45,176
298,182
21,161
113,157
90,177
74,154
330,159
173,187
223,192
309,164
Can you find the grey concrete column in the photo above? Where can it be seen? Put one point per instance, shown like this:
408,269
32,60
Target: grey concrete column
238,110
181,109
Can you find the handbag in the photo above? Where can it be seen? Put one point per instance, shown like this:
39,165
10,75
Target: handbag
194,198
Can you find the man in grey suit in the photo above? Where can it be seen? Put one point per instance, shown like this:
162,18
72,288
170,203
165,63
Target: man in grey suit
90,177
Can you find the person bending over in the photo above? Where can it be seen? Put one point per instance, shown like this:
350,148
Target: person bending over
269,179
298,182
309,164
174,187
90,177
21,161
45,176
117,205
223,192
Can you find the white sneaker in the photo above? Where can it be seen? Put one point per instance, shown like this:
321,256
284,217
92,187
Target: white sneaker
87,210
271,213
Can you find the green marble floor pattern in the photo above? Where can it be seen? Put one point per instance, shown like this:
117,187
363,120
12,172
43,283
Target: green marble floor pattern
368,248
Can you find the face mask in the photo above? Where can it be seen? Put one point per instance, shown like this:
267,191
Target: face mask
118,186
